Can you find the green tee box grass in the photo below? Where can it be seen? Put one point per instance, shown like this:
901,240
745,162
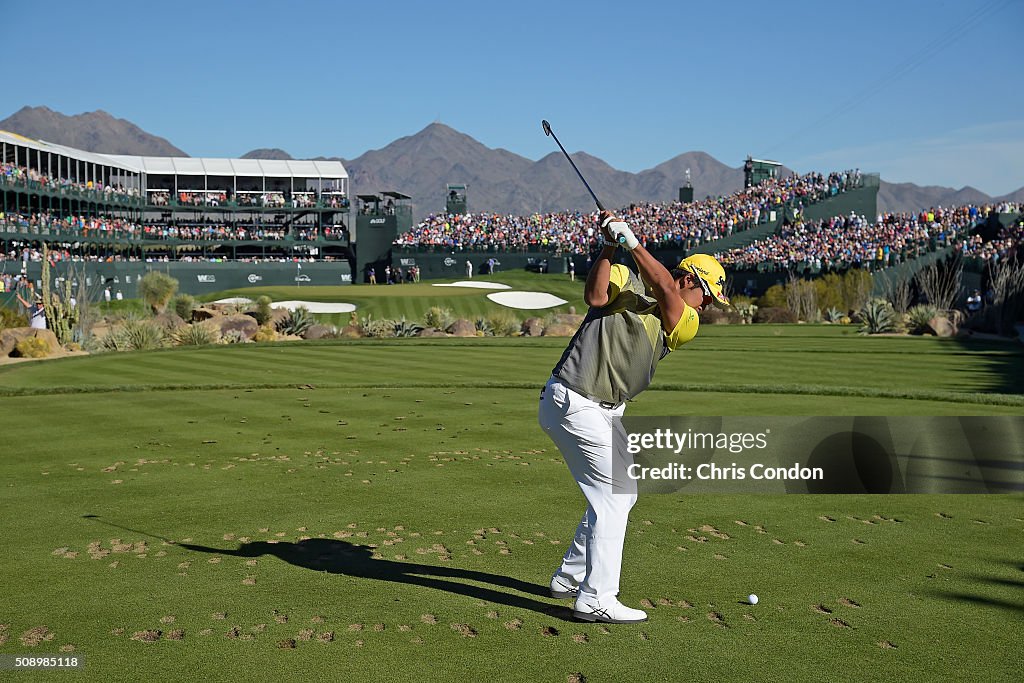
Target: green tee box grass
411,301
389,510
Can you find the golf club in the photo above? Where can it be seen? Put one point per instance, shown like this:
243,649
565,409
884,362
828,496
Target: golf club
551,133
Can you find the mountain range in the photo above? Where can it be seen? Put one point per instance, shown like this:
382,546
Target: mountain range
498,180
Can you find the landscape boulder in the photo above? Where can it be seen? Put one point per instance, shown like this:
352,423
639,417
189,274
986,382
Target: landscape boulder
318,332
9,339
532,327
940,326
244,324
462,328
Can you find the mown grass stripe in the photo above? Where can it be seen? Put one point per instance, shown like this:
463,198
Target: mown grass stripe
765,389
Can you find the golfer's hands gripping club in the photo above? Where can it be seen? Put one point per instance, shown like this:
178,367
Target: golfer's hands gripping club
619,232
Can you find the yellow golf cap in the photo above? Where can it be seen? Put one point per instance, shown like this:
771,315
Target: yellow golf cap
710,274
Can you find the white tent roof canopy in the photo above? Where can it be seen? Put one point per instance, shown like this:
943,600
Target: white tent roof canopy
274,168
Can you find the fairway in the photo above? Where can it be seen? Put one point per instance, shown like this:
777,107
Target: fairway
390,510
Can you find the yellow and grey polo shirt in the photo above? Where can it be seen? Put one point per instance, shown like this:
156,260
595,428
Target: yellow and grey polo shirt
613,354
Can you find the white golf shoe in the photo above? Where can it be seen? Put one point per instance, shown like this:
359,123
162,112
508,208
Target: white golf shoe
562,587
611,611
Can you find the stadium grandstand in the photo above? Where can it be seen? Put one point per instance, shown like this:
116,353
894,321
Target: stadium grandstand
217,224
212,223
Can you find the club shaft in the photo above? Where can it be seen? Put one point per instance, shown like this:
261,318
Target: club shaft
597,201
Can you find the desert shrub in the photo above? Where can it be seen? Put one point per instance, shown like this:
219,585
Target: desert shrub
199,334
774,297
233,337
438,317
504,323
484,328
265,333
919,316
157,289
183,305
379,328
802,299
828,290
297,322
11,318
134,335
407,328
856,288
746,311
877,317
261,310
716,316
774,314
833,314
33,347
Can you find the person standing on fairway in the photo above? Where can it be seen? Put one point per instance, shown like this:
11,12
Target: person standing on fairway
631,325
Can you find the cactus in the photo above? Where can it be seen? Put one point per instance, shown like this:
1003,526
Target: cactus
61,316
297,322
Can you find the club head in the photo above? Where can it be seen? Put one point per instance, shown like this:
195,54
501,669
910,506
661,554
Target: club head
547,128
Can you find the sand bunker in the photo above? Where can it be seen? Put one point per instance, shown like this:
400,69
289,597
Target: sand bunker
234,300
477,285
315,306
526,300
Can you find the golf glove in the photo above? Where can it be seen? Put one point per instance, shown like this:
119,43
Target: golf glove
622,234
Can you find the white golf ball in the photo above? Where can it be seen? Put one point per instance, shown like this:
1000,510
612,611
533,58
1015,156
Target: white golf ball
752,599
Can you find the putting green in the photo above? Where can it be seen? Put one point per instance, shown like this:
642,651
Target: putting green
391,511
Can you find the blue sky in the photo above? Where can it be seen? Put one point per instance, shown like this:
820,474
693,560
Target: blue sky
923,92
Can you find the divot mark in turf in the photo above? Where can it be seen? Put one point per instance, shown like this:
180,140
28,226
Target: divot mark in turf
826,518
117,631
664,602
847,602
148,636
326,637
428,619
286,644
576,678
549,631
719,556
750,617
355,627
379,627
220,616
647,604
36,635
170,619
857,541
176,634
465,630
259,628
945,566
742,523
717,619
943,515
514,625
887,645
838,623
821,609
684,619
206,632
67,648
685,604
305,634
580,638
492,615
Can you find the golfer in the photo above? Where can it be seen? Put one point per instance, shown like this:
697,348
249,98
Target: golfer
631,325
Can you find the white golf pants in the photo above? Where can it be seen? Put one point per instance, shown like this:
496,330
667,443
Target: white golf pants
582,430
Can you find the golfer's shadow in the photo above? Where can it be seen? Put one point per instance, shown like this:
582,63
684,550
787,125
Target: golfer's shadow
341,557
